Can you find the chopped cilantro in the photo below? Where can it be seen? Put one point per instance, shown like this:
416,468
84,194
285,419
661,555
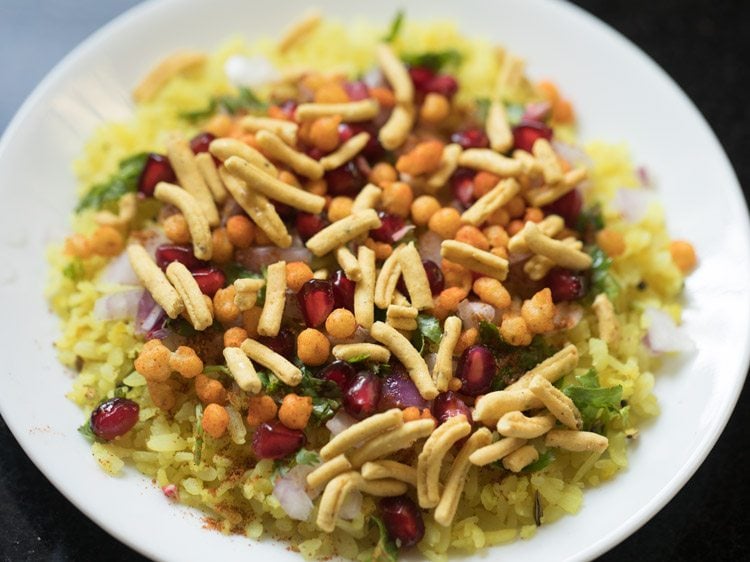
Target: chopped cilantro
381,369
180,326
544,460
429,327
589,222
234,271
359,358
434,60
601,279
326,395
385,550
124,180
395,27
74,270
245,100
216,369
198,434
121,391
87,432
305,456
597,405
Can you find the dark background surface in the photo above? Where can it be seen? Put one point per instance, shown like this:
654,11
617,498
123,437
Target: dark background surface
703,45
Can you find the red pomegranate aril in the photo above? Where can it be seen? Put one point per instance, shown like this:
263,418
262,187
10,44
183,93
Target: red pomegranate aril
114,417
568,207
315,153
421,76
391,224
284,343
199,143
346,131
316,301
471,138
273,440
397,390
308,225
285,211
362,396
343,290
448,405
346,180
157,168
462,184
356,90
476,369
434,276
442,84
526,133
566,285
339,372
209,279
167,253
403,520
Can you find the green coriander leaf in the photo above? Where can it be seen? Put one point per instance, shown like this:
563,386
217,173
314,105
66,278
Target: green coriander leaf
590,379
245,100
601,279
74,270
216,369
234,271
124,180
544,460
198,434
590,221
359,358
381,369
395,27
434,60
512,362
597,405
180,326
324,409
429,327
305,456
87,432
417,340
385,550
121,391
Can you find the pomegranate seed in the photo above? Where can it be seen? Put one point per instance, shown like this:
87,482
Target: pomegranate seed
343,291
114,417
526,133
361,398
283,343
476,369
421,76
568,207
442,84
462,183
434,277
447,405
356,90
199,143
397,390
315,153
156,169
285,211
566,285
346,131
209,279
345,180
402,520
308,225
273,440
167,253
171,491
391,224
316,301
471,138
340,372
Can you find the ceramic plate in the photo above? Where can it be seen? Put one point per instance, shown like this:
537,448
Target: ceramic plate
620,94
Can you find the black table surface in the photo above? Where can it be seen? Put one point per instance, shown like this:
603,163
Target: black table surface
703,45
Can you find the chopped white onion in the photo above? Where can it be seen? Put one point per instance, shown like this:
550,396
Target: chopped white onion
340,422
567,315
429,246
291,492
537,111
352,505
250,71
401,232
255,257
118,306
574,154
373,78
632,204
663,335
119,272
430,359
472,313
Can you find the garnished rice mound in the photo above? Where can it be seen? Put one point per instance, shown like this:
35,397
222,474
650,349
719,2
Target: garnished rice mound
455,403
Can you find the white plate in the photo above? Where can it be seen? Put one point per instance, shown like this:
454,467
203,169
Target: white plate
620,94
